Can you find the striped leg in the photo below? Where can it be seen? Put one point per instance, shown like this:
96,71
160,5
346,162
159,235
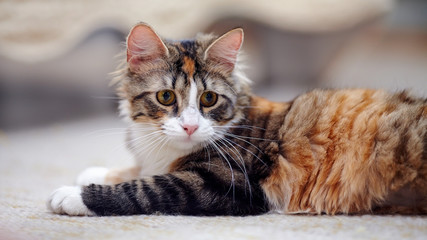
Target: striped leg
196,192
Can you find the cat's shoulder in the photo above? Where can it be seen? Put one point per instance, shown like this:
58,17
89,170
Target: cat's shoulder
361,94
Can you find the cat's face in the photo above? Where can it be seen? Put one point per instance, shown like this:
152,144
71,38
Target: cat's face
186,91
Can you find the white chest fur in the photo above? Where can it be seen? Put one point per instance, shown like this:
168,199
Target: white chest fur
153,152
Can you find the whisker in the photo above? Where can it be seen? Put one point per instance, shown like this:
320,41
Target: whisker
103,130
232,186
112,134
248,142
254,138
243,167
146,135
232,89
128,129
247,150
165,141
240,126
226,152
152,145
153,139
135,147
158,142
205,147
106,97
243,140
249,107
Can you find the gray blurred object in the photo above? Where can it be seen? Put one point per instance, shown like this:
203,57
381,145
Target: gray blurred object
44,29
70,86
55,57
391,54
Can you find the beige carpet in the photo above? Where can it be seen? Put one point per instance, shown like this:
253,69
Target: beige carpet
35,162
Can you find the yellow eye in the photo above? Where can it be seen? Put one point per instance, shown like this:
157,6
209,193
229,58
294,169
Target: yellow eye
208,99
166,97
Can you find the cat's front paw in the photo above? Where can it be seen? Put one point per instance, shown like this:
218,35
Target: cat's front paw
68,200
95,175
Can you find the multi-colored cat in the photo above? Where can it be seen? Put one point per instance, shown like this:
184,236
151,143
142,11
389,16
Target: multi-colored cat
204,145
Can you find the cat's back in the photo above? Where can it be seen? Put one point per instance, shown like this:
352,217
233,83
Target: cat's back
350,148
362,115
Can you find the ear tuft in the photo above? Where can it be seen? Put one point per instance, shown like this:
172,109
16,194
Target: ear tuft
225,49
143,44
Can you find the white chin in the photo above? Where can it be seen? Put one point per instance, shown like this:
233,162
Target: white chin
186,144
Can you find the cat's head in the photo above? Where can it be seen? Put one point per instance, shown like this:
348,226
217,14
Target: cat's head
189,92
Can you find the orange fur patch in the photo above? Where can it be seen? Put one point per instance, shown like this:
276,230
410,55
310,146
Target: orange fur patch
338,152
189,66
261,105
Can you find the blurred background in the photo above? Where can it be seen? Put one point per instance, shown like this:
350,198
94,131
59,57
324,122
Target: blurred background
58,114
56,56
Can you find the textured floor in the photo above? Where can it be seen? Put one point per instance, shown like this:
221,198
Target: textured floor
35,162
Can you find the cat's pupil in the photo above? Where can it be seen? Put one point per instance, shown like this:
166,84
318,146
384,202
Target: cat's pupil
209,97
166,96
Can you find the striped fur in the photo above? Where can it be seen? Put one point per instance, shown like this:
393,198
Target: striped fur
346,151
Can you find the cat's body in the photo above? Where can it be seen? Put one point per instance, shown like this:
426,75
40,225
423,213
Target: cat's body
204,145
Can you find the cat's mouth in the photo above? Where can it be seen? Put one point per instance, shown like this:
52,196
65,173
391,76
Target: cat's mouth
192,139
188,141
187,144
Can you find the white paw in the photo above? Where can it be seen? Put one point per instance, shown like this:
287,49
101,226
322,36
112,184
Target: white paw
68,200
91,175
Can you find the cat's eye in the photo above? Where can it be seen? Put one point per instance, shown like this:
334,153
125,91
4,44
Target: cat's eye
208,99
166,97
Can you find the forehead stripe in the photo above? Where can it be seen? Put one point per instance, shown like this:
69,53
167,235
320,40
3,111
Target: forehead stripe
188,66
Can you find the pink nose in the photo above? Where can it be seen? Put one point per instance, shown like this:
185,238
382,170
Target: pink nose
190,129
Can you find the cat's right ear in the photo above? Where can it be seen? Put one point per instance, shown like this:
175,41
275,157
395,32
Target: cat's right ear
144,45
224,50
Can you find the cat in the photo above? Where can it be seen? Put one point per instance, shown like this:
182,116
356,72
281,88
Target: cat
205,145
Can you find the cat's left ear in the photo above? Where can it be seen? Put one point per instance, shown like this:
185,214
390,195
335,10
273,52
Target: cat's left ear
144,46
224,50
